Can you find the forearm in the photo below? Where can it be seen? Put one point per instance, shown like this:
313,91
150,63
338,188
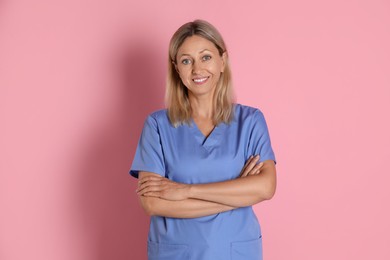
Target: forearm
240,192
188,208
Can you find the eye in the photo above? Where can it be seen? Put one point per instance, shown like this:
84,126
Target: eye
206,57
186,61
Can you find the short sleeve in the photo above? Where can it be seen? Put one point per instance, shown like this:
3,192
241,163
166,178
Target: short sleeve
149,154
260,142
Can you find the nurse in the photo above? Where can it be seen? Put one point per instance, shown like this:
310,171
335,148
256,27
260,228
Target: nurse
204,160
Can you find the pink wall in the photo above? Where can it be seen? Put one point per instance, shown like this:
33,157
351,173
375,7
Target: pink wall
78,78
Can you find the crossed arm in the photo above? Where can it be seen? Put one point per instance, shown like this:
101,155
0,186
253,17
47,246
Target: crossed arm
163,197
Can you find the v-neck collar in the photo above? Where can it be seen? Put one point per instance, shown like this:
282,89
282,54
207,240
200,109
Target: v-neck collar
212,139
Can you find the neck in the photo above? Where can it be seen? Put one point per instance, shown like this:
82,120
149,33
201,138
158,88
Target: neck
202,107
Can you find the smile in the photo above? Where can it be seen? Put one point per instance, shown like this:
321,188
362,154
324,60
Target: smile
200,80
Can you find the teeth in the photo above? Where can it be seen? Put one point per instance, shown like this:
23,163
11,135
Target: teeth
200,80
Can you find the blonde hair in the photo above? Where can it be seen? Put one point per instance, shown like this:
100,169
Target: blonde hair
176,96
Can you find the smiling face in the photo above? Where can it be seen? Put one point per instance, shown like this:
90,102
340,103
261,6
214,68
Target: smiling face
199,65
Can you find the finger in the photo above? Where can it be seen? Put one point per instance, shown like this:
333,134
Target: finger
156,188
246,164
152,194
251,165
245,169
253,173
256,170
259,166
148,178
149,184
154,181
248,161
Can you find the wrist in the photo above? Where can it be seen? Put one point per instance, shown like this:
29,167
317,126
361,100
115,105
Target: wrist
190,191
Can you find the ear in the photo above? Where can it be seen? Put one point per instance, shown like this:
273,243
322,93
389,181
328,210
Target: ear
224,60
174,64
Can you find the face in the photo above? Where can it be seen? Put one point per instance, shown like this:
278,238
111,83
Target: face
199,65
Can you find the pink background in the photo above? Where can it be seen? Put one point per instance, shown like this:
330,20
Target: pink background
78,78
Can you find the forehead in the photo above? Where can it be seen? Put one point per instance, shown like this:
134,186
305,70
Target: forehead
195,44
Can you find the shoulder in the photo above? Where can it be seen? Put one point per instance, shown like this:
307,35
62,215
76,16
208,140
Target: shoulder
159,114
247,112
251,119
158,117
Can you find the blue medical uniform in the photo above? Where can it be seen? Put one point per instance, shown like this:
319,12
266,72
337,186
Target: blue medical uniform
185,155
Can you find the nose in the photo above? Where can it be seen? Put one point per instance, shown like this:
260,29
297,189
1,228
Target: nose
196,67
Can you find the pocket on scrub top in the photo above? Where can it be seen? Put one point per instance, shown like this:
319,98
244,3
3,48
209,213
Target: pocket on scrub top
247,250
162,251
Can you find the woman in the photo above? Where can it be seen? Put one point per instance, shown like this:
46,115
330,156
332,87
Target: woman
198,160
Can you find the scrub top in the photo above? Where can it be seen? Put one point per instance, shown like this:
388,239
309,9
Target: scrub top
183,154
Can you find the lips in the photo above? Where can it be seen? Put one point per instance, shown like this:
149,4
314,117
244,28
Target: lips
200,80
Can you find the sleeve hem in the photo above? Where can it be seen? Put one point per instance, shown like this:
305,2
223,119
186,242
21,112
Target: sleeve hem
269,158
134,172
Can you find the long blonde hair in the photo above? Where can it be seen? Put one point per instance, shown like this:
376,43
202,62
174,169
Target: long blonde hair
176,96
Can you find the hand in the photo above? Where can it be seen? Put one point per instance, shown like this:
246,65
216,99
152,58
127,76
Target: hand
163,188
250,167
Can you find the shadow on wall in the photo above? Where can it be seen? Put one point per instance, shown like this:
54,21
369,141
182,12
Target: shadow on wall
110,211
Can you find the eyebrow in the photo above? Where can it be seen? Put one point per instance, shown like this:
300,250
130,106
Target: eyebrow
185,54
